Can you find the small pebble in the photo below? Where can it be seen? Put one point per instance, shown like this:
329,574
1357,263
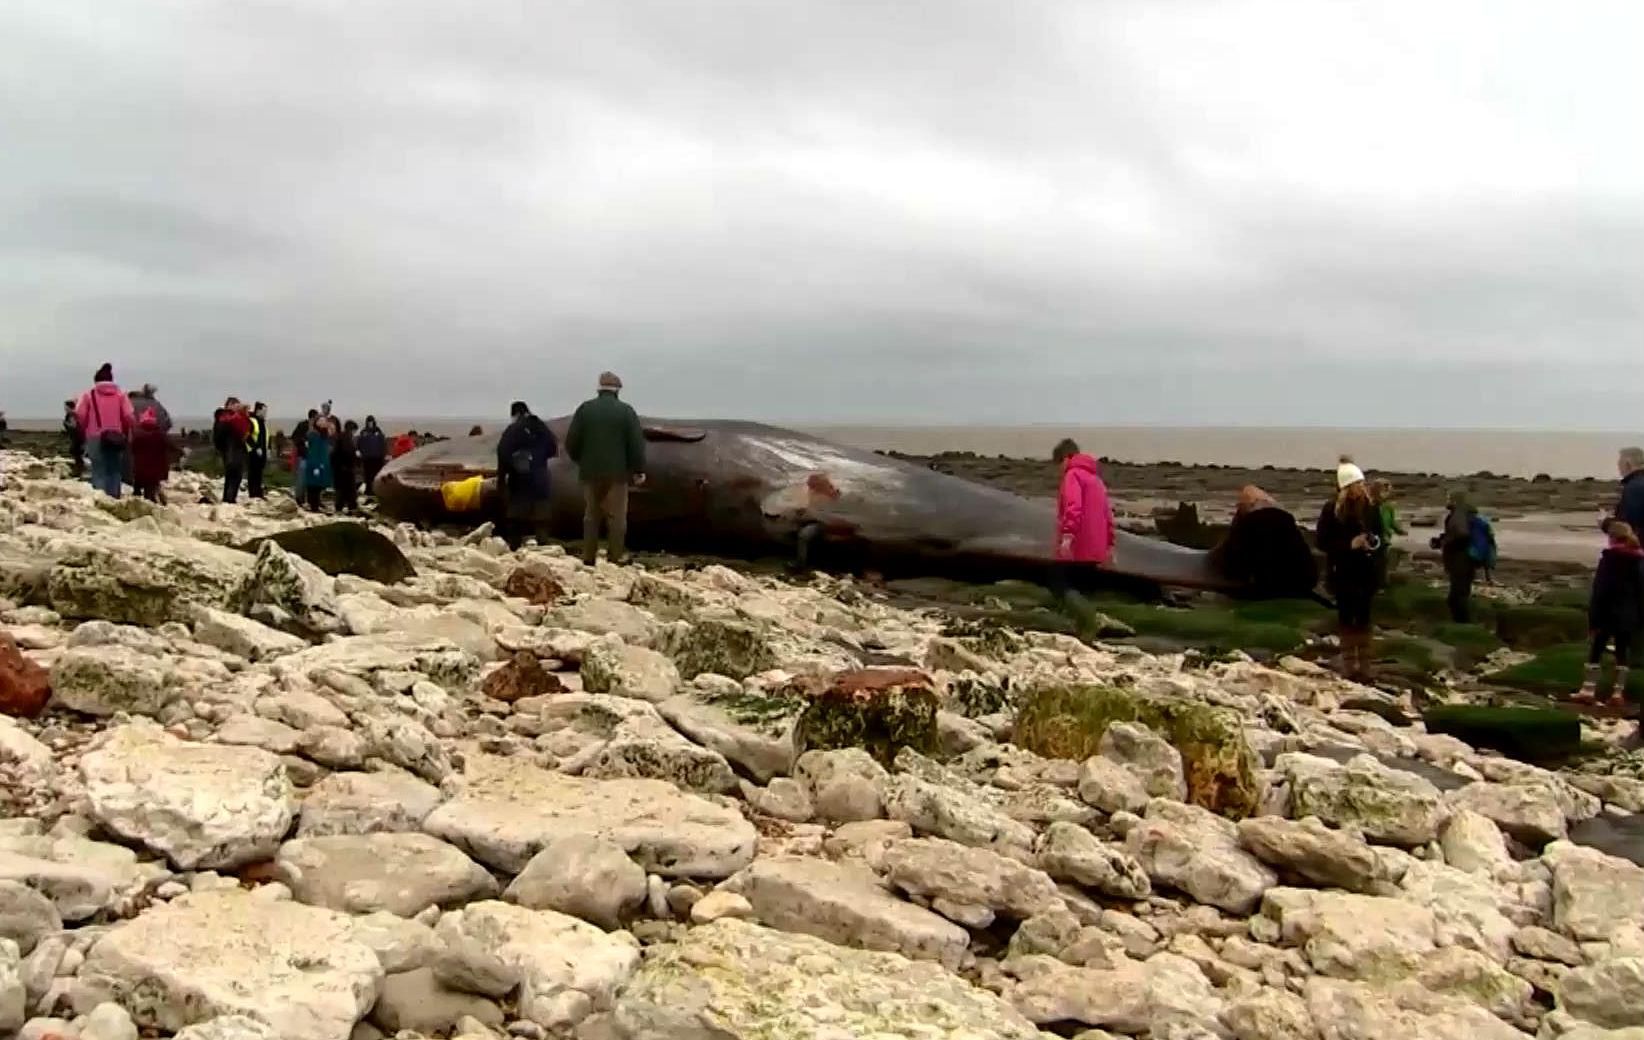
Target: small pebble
171,890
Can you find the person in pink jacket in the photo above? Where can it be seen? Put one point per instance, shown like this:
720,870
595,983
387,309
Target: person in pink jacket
1084,517
105,416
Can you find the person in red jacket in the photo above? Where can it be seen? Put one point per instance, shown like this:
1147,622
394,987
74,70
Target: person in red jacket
1084,517
1084,528
232,427
150,456
106,419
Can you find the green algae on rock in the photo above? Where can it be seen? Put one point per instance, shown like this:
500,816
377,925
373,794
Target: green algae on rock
1069,721
1527,734
729,648
881,710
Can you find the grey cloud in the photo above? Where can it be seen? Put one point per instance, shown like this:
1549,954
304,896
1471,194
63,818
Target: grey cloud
947,211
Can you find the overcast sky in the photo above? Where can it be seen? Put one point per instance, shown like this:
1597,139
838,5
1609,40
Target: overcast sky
953,211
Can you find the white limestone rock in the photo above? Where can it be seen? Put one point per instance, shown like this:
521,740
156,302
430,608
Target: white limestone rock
366,803
845,903
1197,852
736,979
504,813
294,968
199,805
364,873
584,876
968,885
1068,852
563,968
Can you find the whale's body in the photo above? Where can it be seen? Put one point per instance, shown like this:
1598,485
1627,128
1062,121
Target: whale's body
746,489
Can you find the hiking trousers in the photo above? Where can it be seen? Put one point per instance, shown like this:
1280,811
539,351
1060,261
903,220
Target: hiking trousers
605,500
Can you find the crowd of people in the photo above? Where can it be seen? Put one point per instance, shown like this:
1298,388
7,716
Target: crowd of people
128,438
1266,553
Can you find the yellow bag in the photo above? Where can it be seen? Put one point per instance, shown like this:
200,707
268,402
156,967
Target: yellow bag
463,496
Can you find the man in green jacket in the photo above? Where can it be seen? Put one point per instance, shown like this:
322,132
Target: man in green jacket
607,444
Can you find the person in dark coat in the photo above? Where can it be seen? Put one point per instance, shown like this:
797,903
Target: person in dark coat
1630,506
232,427
322,430
1264,551
256,450
607,443
373,445
522,473
150,457
345,468
75,435
1455,545
1350,534
299,455
1615,612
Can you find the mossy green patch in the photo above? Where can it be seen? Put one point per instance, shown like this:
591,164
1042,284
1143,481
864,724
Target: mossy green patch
882,718
1535,627
1556,672
1212,627
728,648
1527,734
1069,721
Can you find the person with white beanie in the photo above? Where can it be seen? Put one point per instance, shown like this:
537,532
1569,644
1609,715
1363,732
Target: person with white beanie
1350,534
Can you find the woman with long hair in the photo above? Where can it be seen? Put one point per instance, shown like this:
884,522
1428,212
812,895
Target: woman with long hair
1350,535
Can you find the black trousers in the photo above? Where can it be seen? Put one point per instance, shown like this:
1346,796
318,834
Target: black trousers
1461,592
347,488
370,469
315,496
232,473
1623,647
255,466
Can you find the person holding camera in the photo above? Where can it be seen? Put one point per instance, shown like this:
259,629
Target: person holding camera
1350,535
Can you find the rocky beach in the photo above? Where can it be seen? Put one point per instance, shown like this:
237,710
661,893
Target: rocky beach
266,776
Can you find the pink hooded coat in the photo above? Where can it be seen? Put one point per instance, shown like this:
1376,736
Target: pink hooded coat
1084,518
104,407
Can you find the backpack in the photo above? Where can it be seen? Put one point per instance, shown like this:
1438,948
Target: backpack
1481,541
220,433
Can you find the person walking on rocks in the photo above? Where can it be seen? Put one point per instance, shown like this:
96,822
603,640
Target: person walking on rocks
373,445
345,459
1350,534
105,416
233,429
317,461
256,451
522,473
150,456
607,444
1084,528
1455,545
75,435
299,455
1615,612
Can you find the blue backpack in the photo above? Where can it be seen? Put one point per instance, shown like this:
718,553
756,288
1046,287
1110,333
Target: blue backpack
1481,542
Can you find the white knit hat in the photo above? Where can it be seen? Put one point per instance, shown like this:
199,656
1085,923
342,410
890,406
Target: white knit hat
1347,475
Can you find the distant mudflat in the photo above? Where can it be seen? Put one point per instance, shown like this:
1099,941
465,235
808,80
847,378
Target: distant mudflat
1518,453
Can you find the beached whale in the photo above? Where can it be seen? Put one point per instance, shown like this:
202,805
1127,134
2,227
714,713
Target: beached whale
746,489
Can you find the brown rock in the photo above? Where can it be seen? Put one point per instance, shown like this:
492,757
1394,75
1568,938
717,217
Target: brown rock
880,710
523,676
536,585
24,686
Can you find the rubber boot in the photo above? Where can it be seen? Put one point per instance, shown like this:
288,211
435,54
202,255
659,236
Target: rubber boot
1367,658
1618,692
1588,694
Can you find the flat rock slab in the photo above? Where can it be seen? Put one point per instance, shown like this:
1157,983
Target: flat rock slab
199,805
366,803
295,968
735,979
1438,776
505,812
847,904
363,873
